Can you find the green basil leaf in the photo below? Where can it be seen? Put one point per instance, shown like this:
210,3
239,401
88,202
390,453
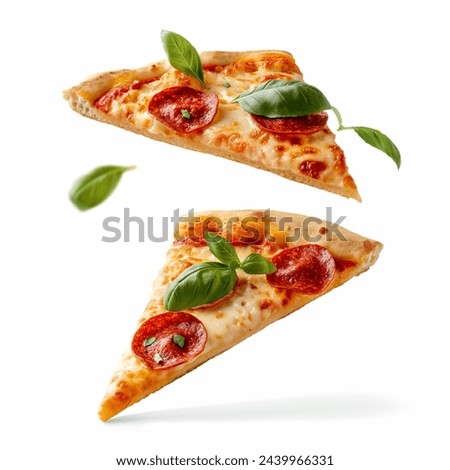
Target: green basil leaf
182,55
157,358
92,189
257,264
199,285
149,341
179,340
186,114
380,141
222,249
283,98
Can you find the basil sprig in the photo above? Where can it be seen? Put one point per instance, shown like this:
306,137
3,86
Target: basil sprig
93,188
283,98
292,98
373,137
182,55
207,282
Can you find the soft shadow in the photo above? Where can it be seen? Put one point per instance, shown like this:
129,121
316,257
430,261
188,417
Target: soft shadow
342,406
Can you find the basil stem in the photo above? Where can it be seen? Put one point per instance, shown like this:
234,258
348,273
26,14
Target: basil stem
373,137
222,249
207,282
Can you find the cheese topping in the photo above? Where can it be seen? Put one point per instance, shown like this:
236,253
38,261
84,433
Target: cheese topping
233,130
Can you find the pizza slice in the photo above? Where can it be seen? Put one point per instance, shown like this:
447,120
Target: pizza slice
227,276
161,102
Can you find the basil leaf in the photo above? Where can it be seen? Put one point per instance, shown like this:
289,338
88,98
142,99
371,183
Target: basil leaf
179,340
157,358
92,189
199,285
149,341
222,249
257,264
283,98
186,114
182,55
380,141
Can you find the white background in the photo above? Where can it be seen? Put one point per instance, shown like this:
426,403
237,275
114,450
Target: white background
361,374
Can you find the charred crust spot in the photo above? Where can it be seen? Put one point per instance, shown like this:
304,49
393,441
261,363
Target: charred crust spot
259,214
265,304
368,246
120,396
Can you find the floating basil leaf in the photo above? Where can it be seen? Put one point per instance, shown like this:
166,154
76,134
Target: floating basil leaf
373,137
380,141
92,189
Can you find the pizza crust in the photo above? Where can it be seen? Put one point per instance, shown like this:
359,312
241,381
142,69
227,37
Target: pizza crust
83,96
254,305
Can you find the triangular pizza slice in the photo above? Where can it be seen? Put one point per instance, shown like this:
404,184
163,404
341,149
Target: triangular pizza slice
160,102
227,276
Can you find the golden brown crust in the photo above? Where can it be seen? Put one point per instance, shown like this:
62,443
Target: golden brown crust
83,96
255,303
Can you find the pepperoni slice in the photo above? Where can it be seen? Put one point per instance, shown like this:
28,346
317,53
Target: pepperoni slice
169,339
105,101
184,109
293,125
307,269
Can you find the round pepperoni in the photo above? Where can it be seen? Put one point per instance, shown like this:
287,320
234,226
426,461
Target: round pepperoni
169,339
184,109
105,101
307,269
293,125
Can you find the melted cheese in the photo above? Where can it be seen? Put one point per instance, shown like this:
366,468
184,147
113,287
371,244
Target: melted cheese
234,132
254,304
